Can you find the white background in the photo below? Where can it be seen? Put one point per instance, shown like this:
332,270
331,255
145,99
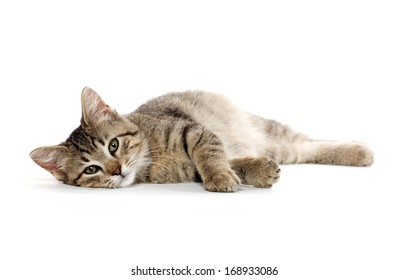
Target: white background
333,69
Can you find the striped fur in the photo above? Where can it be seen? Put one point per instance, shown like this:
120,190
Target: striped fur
184,137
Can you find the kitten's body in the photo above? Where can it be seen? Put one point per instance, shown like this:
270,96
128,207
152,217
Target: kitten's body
184,137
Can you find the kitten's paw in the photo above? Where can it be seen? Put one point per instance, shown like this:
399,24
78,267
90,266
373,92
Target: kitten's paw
264,173
226,181
260,172
360,155
351,154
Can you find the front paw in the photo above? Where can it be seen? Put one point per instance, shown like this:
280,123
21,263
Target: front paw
226,181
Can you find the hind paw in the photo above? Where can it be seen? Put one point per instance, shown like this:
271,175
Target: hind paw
265,173
259,172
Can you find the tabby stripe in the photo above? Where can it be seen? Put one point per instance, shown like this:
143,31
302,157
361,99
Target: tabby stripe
186,129
134,146
130,133
101,141
167,134
175,113
93,142
214,141
214,150
85,159
198,142
80,149
77,178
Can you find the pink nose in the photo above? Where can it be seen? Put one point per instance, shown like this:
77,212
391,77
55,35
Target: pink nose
117,171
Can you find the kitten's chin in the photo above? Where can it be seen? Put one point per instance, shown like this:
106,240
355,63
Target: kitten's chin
127,180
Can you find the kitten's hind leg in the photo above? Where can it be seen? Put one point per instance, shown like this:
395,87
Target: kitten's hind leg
289,146
323,152
260,172
351,154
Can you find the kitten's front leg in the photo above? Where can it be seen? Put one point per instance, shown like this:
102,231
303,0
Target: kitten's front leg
207,152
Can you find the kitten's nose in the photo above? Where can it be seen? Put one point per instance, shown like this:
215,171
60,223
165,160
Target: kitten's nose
117,171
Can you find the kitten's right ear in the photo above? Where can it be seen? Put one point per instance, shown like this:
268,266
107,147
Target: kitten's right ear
52,159
93,107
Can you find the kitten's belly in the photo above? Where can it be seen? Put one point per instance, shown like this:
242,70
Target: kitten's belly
173,167
244,142
241,137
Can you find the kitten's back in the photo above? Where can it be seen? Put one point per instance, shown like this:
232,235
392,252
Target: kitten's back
237,130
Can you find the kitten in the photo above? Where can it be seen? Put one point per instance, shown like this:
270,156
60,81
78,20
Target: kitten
184,137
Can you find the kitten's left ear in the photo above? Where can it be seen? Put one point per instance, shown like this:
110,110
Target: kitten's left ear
52,159
93,107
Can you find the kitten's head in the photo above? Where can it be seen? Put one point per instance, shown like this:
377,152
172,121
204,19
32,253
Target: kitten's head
106,150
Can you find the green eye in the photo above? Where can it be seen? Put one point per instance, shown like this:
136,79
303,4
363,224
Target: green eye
113,146
92,169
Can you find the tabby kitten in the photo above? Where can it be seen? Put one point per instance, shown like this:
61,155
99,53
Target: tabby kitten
184,137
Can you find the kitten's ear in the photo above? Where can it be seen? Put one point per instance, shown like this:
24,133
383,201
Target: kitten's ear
93,107
52,159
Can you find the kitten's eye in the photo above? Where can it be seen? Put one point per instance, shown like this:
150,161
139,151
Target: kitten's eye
113,146
92,169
